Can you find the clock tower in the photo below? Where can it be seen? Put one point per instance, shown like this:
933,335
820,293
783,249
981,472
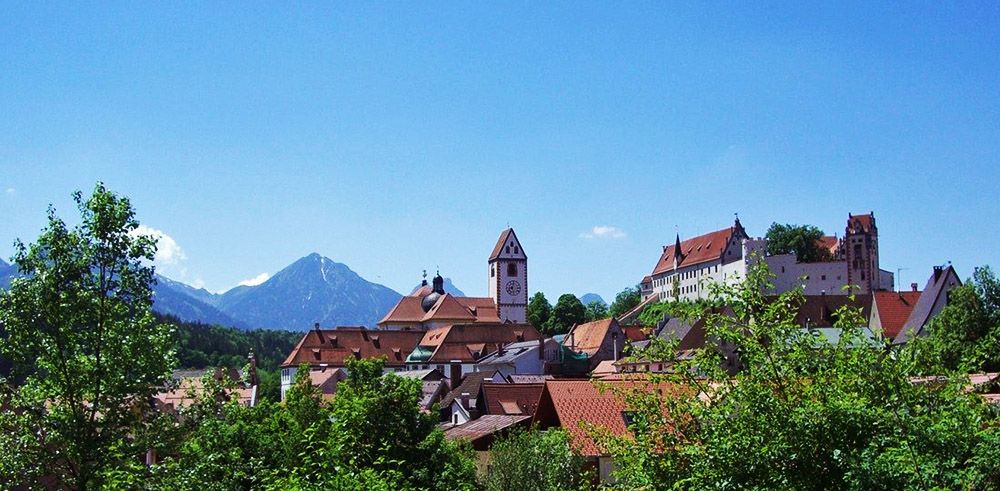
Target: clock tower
509,278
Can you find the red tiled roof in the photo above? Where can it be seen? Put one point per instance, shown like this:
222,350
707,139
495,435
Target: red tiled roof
588,338
860,223
333,347
512,399
448,308
575,403
463,341
572,404
696,250
894,308
646,279
829,243
637,333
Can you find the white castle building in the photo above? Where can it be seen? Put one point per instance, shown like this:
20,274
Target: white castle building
686,268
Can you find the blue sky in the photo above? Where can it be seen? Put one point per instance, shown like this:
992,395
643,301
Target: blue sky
397,137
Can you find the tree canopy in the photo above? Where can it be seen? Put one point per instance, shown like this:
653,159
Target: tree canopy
625,301
803,240
803,413
568,312
87,353
539,311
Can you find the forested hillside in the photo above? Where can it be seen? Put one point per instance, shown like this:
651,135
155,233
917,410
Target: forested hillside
203,346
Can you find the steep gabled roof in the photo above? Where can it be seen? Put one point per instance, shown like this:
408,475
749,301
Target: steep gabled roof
505,237
471,385
942,280
894,308
697,250
588,338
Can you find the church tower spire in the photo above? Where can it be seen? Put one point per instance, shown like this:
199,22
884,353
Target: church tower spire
508,280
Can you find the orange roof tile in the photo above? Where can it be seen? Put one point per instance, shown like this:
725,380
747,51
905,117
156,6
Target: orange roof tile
332,347
894,308
696,250
464,341
588,338
573,404
448,308
512,399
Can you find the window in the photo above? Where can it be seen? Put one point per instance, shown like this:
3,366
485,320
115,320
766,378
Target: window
515,250
492,271
628,417
508,249
823,277
511,269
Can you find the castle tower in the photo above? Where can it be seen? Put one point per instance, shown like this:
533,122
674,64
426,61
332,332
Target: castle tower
509,278
860,249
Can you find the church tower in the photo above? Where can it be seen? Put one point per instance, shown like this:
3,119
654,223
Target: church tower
509,278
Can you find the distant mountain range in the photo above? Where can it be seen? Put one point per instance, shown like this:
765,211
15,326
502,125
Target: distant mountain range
587,298
7,273
312,289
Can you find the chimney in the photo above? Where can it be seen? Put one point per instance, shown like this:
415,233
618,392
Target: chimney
465,400
541,347
316,326
913,287
456,374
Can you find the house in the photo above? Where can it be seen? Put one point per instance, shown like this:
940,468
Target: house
434,386
456,349
460,405
187,386
890,311
575,404
822,310
523,358
689,336
325,379
323,349
934,298
431,307
597,341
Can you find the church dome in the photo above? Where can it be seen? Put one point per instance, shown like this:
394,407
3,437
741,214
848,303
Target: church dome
428,302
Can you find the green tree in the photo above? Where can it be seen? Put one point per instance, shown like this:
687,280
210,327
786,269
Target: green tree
539,311
87,353
965,335
530,460
803,240
805,413
625,301
567,312
596,310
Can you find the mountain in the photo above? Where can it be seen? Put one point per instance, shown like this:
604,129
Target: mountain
449,287
7,273
182,301
312,289
587,298
200,294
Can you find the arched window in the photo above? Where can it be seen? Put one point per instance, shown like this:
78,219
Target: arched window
511,269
